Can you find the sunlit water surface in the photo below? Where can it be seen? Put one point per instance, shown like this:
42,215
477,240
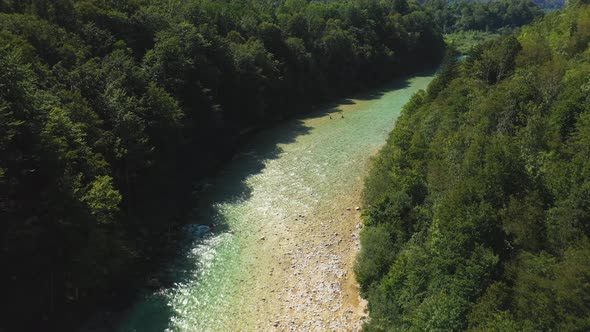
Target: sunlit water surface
297,167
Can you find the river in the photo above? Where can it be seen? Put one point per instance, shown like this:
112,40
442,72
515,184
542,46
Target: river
281,255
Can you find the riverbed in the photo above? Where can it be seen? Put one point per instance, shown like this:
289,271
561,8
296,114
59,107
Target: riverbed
287,214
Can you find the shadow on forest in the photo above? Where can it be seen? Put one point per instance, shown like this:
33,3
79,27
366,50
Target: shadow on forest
332,108
230,186
370,94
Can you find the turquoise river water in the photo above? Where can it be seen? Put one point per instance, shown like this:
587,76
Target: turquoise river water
281,254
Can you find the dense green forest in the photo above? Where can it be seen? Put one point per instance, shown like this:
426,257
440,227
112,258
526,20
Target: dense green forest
466,23
465,15
478,208
515,5
551,4
110,111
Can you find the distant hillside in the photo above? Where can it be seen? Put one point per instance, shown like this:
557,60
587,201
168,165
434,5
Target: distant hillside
550,4
466,15
544,4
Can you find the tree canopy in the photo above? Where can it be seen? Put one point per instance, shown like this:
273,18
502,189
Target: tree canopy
111,110
477,208
486,15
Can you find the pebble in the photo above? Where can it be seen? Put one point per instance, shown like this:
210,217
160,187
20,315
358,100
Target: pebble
315,298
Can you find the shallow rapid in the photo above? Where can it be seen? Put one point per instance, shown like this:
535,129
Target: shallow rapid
281,254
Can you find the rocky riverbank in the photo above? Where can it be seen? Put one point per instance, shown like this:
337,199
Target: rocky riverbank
310,284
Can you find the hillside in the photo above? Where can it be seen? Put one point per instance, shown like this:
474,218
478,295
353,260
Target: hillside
544,4
551,4
453,16
477,209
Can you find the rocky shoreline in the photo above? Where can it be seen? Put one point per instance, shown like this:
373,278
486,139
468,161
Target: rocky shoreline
304,274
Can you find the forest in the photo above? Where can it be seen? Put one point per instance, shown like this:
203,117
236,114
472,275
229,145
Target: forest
112,111
550,4
478,214
480,4
464,15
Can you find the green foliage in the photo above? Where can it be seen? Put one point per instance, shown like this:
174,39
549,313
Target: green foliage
494,60
111,110
376,256
102,199
464,41
465,15
496,236
447,72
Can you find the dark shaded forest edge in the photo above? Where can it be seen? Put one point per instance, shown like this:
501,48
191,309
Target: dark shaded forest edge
478,208
112,111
